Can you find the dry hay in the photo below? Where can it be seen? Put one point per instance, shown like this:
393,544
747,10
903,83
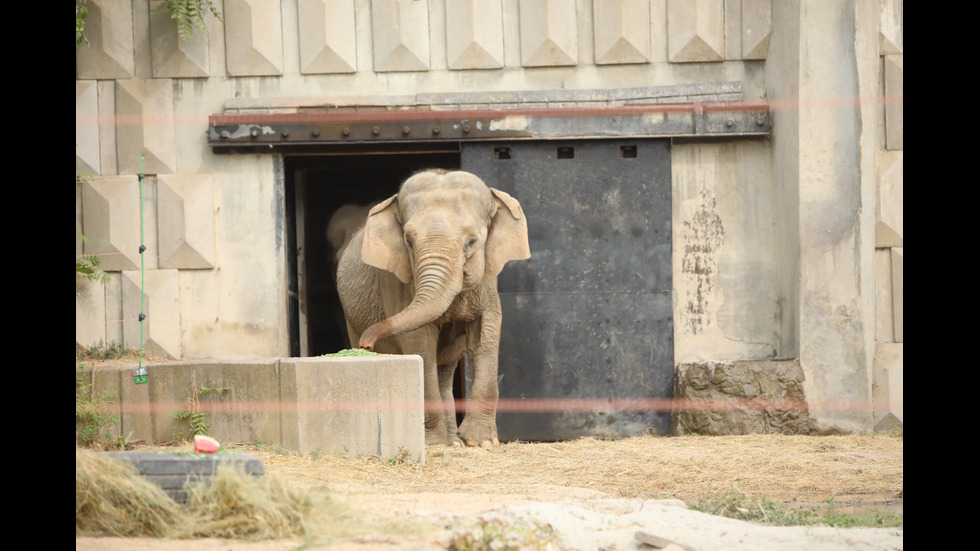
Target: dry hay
111,499
780,467
303,495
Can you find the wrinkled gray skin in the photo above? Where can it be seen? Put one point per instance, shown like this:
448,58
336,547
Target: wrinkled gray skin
421,278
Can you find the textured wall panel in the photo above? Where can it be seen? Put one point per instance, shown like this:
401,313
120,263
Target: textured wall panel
109,53
891,36
401,35
889,218
895,102
253,37
549,33
87,127
185,221
90,314
888,386
898,292
172,56
756,28
695,30
154,293
622,31
474,34
111,222
144,125
327,41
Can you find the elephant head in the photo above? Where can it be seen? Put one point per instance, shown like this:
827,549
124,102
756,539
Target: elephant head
444,233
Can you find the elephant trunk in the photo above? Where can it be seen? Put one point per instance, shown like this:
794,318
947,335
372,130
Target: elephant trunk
438,279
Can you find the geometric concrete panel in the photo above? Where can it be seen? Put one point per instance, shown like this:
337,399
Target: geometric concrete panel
253,37
695,30
884,302
889,208
87,127
154,293
327,41
898,292
756,28
401,35
549,33
369,405
172,56
474,38
887,386
622,31
145,126
890,29
185,221
111,222
109,30
894,102
90,313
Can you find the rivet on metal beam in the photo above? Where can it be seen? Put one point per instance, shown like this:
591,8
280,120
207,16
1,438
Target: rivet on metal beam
406,130
466,129
375,130
316,132
285,132
225,134
254,133
435,130
345,131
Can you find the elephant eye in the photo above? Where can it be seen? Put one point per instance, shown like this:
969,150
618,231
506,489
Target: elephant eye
408,242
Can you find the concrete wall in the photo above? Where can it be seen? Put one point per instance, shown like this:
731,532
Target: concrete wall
784,248
356,405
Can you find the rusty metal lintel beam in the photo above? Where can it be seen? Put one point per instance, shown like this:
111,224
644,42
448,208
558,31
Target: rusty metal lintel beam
268,131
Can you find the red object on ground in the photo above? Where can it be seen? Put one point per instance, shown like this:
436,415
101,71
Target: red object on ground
205,444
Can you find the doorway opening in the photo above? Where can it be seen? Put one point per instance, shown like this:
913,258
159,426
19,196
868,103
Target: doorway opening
320,188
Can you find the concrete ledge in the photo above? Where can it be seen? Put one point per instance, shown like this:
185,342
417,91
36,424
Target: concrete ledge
356,405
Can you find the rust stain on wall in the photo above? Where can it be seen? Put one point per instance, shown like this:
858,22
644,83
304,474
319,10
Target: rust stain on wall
703,236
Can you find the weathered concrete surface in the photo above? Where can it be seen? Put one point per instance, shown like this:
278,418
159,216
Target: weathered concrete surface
357,405
360,405
748,397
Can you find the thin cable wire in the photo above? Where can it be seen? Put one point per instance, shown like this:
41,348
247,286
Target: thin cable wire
141,378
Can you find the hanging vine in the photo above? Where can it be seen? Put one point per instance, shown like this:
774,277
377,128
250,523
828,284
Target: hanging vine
189,14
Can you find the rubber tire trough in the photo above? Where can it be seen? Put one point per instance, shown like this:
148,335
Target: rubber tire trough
175,473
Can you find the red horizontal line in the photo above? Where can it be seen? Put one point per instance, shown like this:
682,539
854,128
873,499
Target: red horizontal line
536,405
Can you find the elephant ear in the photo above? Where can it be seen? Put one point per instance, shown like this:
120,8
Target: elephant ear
384,246
507,237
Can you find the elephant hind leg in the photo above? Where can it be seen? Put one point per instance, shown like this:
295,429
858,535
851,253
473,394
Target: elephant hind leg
446,373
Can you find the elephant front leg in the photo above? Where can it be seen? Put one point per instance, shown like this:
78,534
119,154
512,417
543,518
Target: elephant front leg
479,427
446,373
423,343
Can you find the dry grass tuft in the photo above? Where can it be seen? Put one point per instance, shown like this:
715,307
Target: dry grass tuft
111,499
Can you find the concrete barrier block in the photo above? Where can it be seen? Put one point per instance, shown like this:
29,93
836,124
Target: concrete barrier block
239,399
356,405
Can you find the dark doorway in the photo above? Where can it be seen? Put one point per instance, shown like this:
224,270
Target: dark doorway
317,186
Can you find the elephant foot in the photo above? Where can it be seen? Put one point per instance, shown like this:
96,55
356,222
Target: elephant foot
478,434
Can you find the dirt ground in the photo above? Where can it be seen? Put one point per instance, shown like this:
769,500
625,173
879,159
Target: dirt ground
596,494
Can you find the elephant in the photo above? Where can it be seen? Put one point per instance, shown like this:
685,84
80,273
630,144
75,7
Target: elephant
421,278
344,222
